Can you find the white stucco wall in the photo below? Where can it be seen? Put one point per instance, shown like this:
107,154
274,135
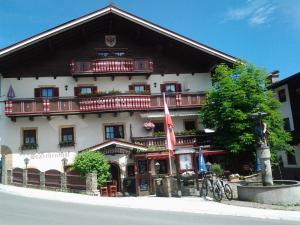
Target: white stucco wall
89,130
24,88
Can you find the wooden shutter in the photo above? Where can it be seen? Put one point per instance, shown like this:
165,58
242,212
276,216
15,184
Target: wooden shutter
94,90
76,91
147,88
162,88
131,87
178,88
37,92
56,92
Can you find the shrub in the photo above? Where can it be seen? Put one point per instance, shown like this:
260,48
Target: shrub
88,162
217,169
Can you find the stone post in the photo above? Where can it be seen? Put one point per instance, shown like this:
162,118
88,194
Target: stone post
265,155
63,181
91,184
42,180
25,177
8,177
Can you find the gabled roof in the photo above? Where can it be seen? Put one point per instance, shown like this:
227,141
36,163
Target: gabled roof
117,143
284,81
112,9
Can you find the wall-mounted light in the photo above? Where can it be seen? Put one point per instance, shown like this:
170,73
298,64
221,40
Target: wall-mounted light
26,161
66,87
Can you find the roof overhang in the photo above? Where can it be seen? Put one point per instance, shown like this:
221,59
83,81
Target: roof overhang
115,142
112,9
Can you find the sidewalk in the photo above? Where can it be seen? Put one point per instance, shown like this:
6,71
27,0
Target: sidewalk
185,204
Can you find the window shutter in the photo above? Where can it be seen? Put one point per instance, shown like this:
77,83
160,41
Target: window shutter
131,88
178,87
162,88
76,91
37,92
94,90
147,88
56,92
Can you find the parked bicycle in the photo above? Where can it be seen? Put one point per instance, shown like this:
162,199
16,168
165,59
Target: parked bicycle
215,187
210,187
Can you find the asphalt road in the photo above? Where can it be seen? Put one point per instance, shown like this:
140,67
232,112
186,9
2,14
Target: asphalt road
16,210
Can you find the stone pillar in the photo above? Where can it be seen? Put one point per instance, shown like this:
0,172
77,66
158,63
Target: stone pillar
91,184
42,180
25,177
8,177
265,155
63,181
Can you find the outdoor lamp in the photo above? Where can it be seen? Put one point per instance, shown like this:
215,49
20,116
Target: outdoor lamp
64,163
157,167
26,161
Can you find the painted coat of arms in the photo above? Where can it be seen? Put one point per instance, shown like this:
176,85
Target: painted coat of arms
110,40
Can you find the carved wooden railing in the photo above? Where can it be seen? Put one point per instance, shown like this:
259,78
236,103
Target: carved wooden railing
48,106
112,65
201,139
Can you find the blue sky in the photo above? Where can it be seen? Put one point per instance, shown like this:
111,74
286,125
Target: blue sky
263,32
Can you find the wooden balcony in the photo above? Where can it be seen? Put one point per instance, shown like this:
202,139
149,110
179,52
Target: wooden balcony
112,65
115,103
181,140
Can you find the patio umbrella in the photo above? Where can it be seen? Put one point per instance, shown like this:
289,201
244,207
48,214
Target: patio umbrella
202,166
11,92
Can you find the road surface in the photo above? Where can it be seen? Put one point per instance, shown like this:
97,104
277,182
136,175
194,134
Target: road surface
17,210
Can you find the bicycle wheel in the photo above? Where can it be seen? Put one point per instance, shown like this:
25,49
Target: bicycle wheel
217,192
204,188
228,192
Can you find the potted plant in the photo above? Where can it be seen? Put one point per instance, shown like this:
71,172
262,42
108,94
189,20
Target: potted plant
149,125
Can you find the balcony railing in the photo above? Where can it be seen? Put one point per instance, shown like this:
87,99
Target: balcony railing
115,103
112,65
181,140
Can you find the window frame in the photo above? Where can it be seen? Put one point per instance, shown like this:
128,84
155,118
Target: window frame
28,146
282,95
114,126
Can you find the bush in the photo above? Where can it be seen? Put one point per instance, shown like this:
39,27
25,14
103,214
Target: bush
217,169
88,162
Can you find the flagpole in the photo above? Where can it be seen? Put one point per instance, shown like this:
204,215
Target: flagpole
169,153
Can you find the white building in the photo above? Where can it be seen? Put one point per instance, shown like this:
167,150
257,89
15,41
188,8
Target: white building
287,91
92,83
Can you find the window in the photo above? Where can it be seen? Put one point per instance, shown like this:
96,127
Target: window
139,88
116,131
291,159
159,127
282,95
170,88
29,139
286,124
163,166
67,135
190,125
47,92
29,136
86,90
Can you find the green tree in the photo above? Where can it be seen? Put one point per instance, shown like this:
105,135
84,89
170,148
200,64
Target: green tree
88,162
238,91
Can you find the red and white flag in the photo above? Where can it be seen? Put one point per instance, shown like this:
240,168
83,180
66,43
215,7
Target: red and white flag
169,130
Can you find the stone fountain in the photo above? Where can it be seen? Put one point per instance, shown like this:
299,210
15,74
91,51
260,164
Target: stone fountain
268,191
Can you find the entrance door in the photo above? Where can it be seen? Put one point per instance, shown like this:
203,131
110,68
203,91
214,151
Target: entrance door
115,174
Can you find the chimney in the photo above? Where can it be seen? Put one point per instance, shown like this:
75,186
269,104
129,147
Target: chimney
273,77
